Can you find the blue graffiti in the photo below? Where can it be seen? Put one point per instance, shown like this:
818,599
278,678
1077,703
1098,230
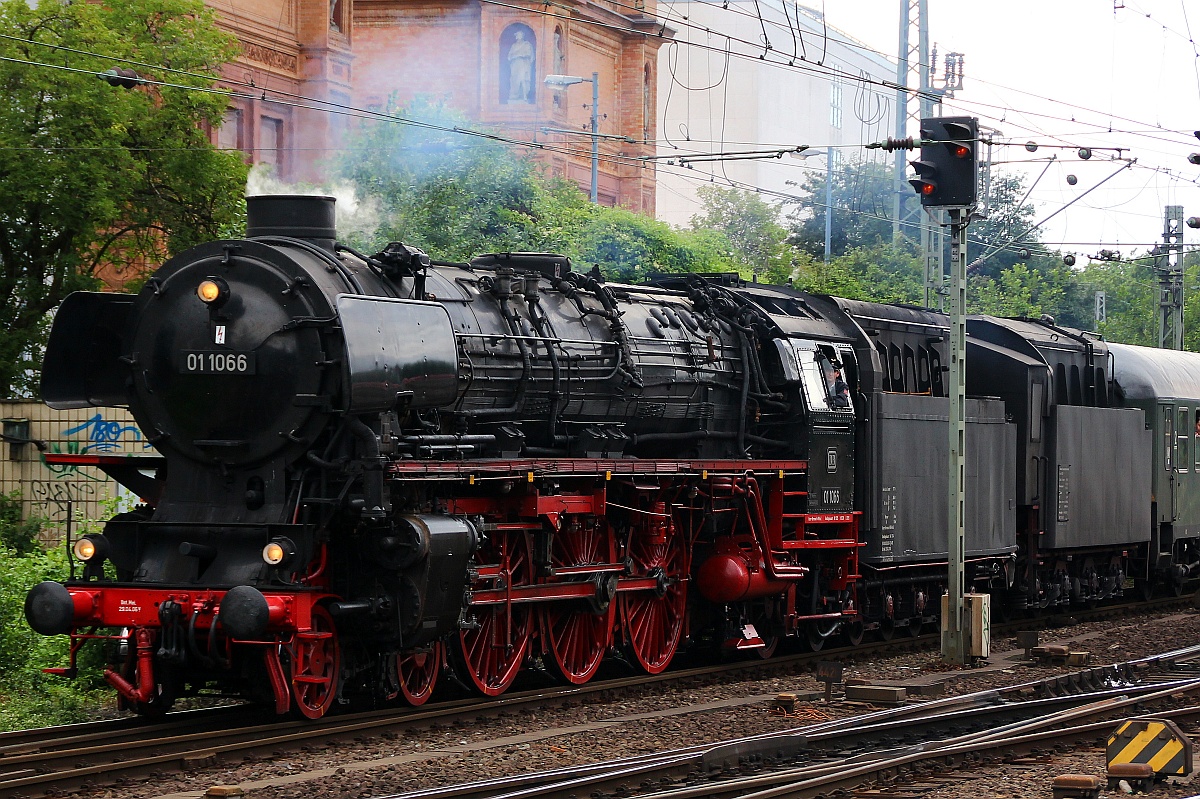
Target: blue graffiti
104,436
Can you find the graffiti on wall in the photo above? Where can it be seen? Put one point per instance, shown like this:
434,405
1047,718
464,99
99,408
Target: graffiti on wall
50,496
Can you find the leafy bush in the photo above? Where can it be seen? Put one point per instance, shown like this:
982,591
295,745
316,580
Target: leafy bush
28,697
17,534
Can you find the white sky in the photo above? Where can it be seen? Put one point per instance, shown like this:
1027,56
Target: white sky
1074,72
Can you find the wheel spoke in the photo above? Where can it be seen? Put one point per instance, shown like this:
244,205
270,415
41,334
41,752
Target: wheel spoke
577,635
417,673
491,654
653,624
315,661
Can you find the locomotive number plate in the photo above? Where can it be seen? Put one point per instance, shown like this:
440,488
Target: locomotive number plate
217,363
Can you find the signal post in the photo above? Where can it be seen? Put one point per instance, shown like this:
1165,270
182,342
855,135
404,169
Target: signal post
946,178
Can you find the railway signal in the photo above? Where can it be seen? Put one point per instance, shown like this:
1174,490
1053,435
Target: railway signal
947,168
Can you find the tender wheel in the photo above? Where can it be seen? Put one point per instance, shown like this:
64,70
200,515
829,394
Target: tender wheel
315,666
577,635
914,626
652,620
853,632
417,673
887,629
816,633
491,653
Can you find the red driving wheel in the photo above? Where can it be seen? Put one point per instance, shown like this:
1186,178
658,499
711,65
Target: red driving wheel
578,633
315,666
417,673
652,620
492,652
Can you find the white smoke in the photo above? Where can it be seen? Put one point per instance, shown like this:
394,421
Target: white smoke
355,214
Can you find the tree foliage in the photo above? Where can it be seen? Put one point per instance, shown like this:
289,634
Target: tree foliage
98,177
752,227
457,196
861,205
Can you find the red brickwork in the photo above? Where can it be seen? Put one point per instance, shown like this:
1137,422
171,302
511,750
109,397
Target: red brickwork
364,52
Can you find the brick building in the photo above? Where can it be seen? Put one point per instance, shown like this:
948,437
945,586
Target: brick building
486,58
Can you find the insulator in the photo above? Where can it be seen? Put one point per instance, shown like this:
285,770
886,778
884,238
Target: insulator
893,144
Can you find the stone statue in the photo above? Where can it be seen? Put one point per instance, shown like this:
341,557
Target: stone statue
520,69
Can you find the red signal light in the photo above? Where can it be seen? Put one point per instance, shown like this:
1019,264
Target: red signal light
960,150
927,188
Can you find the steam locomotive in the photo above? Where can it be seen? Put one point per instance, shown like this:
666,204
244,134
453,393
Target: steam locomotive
373,470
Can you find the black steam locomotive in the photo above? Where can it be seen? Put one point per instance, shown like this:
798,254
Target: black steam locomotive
374,469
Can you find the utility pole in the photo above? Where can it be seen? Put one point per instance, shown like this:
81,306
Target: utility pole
954,648
595,137
1168,269
828,201
947,178
562,82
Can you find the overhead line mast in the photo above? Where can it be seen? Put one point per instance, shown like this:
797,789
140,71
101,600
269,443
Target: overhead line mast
916,65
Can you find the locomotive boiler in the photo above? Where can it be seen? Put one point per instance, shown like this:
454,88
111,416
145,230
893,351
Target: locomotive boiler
371,469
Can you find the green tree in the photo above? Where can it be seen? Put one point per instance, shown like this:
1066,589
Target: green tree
456,196
862,208
1017,291
98,177
1002,219
752,227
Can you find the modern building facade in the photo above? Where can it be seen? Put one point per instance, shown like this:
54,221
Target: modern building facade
779,78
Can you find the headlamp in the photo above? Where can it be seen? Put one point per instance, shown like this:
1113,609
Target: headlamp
91,548
213,291
278,551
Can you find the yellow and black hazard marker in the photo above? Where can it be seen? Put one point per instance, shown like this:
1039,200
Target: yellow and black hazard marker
1156,742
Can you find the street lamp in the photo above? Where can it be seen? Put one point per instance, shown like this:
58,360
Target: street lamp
563,81
828,193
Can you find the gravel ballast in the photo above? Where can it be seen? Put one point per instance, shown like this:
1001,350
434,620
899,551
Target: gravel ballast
663,717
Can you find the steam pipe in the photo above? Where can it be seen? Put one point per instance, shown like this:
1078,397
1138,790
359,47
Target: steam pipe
630,370
502,291
373,482
650,438
540,324
742,410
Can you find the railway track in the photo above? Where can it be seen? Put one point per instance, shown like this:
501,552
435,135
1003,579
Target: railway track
40,762
878,748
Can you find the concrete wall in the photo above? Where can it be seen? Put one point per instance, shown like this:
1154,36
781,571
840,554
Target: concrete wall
46,489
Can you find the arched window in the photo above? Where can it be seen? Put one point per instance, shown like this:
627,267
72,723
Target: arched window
648,109
560,60
518,65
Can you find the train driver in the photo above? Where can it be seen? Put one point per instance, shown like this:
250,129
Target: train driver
839,394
